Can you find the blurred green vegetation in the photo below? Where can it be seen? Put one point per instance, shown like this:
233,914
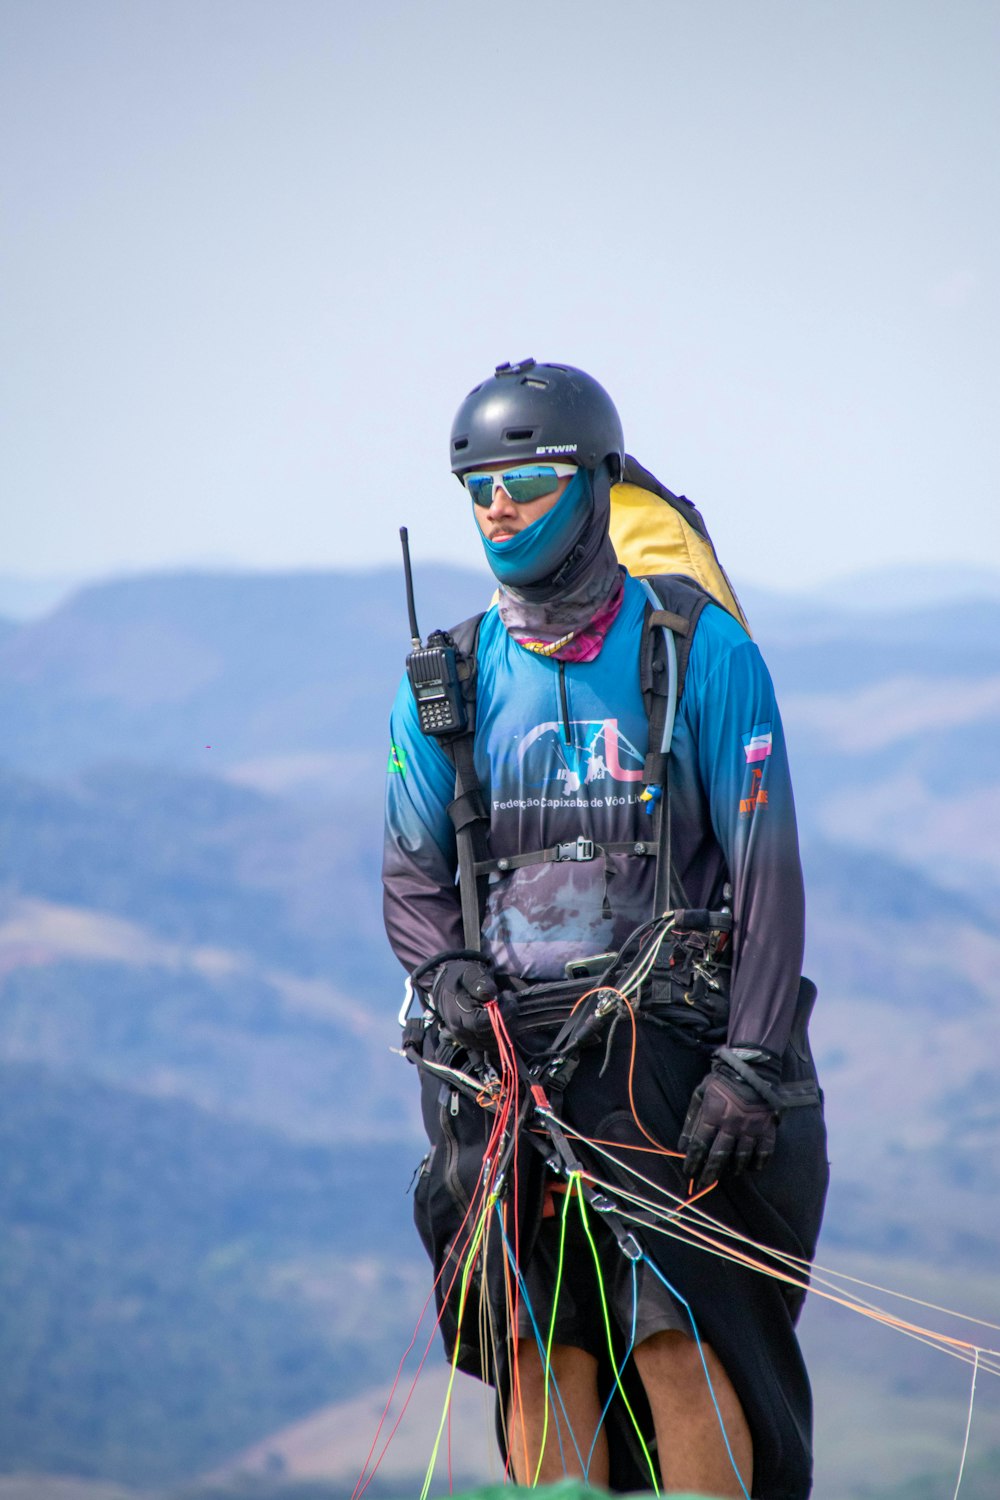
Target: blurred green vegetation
154,1319
980,1481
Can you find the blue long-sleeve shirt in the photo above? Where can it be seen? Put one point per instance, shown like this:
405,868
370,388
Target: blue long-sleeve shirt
732,813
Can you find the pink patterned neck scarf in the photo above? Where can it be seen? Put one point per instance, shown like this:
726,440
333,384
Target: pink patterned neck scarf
583,644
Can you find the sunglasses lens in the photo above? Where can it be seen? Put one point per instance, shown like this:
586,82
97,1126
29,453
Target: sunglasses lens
530,482
480,487
524,484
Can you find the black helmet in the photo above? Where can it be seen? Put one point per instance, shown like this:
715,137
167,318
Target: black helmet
536,411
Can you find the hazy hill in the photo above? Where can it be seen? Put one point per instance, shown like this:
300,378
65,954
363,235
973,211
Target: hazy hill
170,1280
159,669
893,720
27,598
284,681
204,862
180,936
195,995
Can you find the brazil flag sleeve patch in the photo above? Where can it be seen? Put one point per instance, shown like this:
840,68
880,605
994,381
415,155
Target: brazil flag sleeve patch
397,760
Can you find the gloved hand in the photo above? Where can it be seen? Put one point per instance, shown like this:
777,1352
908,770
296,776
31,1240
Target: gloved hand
732,1120
459,994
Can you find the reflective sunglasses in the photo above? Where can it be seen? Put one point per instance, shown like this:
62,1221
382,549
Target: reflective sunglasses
525,483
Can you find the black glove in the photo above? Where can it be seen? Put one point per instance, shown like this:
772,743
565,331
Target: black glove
732,1119
459,994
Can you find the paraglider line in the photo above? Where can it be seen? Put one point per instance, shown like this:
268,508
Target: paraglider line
575,1185
620,1371
968,1426
541,1349
704,1364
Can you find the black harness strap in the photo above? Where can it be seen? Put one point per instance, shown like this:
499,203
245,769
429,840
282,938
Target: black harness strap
575,850
668,889
471,821
654,679
468,811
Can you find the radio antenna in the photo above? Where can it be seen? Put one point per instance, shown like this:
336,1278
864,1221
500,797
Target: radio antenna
408,575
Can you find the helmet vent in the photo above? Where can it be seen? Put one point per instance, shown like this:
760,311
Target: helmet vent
533,413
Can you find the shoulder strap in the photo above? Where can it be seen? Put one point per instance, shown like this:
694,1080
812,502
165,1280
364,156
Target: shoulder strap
466,638
681,600
468,811
675,606
672,615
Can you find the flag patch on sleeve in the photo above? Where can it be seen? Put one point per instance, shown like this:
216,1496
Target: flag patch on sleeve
757,744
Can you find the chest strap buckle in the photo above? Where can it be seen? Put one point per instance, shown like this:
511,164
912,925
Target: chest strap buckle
580,848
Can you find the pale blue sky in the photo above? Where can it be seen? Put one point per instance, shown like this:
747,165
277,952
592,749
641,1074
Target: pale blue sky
254,254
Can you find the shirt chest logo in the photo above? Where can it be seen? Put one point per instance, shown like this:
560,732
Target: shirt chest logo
599,752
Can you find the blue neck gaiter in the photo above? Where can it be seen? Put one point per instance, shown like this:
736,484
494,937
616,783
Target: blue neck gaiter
538,550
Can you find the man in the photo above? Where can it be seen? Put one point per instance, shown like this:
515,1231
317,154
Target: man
562,732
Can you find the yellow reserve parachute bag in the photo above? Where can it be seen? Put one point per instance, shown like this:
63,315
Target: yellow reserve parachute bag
657,532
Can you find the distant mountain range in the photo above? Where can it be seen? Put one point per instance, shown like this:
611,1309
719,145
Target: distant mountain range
875,590
196,1004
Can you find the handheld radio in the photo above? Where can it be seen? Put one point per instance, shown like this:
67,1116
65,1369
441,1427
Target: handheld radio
433,670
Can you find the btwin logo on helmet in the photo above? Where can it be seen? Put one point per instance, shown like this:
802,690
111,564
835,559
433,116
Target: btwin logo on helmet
557,448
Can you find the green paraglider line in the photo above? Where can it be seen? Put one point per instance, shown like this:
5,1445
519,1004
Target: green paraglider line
685,1221
619,1372
575,1185
551,1334
467,1269
541,1348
